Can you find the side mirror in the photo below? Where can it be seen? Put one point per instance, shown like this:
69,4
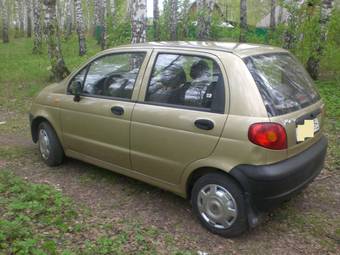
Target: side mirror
76,90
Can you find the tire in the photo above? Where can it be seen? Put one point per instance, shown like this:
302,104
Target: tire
50,149
211,195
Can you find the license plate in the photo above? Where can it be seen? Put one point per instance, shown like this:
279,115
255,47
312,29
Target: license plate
316,125
307,130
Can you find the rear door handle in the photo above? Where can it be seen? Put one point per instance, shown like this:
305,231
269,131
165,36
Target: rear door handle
204,124
117,110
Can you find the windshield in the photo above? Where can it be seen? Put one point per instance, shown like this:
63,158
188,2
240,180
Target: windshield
284,84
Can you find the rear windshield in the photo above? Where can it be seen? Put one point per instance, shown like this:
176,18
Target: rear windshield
284,84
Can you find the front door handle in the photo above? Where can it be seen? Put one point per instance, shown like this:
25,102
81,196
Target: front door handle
117,110
204,124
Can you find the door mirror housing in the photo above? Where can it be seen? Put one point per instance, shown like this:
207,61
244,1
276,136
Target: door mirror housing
76,90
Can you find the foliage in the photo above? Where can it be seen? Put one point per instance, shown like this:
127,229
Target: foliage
37,219
28,208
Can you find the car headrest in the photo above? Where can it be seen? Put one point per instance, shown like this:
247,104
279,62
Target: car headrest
173,76
198,69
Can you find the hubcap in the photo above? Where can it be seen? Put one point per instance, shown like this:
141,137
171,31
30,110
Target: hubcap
44,144
217,206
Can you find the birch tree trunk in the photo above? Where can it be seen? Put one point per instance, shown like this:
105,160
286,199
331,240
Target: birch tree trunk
88,16
5,21
156,28
37,42
103,25
138,21
58,67
96,19
16,19
80,27
272,24
313,63
68,18
173,19
21,17
243,20
205,9
29,17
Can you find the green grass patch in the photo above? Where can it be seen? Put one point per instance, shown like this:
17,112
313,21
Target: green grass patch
37,219
24,74
12,152
330,93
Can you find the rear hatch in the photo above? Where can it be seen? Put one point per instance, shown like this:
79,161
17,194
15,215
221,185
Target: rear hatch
290,98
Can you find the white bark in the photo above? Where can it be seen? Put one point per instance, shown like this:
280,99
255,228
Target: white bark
173,19
16,18
58,67
138,21
5,20
68,18
103,25
37,48
80,27
205,9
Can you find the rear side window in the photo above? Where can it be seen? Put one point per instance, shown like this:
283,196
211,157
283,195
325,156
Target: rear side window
187,81
284,84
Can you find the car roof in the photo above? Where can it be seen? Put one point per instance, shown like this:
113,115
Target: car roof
240,49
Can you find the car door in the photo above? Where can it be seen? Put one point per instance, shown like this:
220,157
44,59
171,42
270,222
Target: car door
98,125
180,113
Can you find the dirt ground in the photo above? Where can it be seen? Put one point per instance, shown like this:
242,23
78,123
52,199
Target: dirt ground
308,224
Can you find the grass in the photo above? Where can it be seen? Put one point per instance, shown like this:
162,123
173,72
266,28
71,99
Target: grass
37,219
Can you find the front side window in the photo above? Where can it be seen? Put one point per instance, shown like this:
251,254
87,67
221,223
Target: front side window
113,75
283,83
186,80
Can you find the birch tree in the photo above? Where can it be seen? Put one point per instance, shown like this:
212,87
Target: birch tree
103,25
205,9
138,21
156,28
96,14
29,17
5,20
58,67
243,20
37,41
272,15
88,16
80,27
21,17
16,19
173,19
68,18
313,63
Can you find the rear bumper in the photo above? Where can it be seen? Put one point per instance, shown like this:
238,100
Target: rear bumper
269,185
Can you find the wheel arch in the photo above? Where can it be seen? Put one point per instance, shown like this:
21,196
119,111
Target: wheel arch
199,172
35,122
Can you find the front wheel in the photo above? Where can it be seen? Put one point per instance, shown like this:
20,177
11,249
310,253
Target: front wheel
219,204
50,148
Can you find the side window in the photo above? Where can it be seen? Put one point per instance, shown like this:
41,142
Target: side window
187,80
79,77
113,75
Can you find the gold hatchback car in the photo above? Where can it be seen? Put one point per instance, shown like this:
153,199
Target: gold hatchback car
235,128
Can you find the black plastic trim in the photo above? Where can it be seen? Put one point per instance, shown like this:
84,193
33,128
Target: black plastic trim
269,185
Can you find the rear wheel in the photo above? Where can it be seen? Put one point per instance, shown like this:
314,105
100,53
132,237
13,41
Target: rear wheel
219,204
50,148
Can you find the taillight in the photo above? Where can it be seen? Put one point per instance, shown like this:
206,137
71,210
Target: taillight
268,135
